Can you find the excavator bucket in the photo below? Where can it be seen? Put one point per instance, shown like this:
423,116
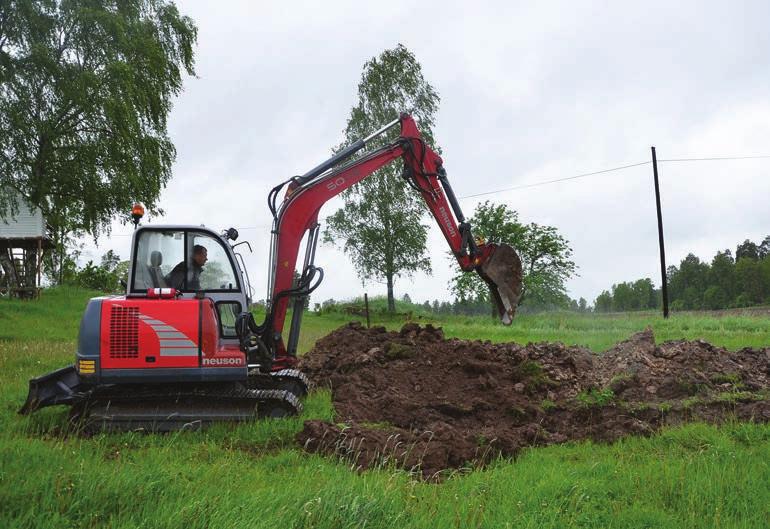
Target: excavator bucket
502,272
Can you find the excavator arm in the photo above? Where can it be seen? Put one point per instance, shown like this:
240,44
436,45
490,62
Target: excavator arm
297,215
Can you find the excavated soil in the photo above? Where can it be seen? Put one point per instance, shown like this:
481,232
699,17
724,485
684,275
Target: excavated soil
426,403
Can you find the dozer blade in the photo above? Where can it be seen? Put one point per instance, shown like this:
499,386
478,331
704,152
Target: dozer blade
502,272
57,387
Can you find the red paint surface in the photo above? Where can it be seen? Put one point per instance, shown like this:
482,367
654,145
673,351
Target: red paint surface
184,316
181,314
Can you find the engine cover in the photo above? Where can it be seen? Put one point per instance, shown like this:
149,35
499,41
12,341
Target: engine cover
155,340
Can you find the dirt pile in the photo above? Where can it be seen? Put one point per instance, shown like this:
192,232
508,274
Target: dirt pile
429,403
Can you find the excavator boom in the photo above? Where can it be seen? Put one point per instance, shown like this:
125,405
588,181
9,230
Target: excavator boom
497,264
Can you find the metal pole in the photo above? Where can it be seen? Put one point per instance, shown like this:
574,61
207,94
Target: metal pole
382,129
366,304
39,263
344,154
663,282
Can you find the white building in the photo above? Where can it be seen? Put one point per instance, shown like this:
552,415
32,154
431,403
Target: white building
23,239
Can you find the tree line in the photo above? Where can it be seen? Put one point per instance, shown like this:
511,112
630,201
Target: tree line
727,281
456,307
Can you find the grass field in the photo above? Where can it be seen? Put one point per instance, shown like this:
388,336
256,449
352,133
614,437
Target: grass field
252,475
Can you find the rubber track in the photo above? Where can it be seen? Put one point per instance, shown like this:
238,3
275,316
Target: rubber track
231,402
283,379
293,374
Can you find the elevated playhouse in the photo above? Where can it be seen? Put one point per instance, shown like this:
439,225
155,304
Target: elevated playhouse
23,240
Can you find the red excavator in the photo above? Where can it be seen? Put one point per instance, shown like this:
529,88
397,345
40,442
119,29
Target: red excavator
181,349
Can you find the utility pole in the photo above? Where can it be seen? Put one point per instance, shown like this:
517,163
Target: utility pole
663,283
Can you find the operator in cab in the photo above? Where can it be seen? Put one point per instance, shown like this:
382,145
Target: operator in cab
175,278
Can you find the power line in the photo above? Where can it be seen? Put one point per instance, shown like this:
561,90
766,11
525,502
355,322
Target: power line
556,180
620,168
535,184
714,158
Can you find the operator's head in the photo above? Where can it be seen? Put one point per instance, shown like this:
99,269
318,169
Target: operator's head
200,255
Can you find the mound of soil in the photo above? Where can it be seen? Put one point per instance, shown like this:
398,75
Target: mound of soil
427,403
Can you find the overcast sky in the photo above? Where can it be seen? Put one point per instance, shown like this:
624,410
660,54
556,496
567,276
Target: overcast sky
530,91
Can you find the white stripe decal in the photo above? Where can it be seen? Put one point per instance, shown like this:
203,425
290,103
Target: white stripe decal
177,343
171,335
163,328
172,341
176,351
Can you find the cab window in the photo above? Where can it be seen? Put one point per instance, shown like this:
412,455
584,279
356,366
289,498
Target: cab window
208,264
228,314
185,260
157,253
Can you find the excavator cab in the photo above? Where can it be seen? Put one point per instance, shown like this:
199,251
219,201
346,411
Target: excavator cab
188,259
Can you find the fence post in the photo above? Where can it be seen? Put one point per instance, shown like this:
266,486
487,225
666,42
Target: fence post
663,282
366,304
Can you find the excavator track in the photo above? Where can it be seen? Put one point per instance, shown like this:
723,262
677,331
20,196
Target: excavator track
292,380
158,409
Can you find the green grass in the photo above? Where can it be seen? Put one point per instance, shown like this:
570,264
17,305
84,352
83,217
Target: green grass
595,397
252,475
56,316
598,332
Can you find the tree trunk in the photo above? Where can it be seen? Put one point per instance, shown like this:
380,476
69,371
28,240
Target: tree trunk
57,259
60,248
9,269
391,300
30,267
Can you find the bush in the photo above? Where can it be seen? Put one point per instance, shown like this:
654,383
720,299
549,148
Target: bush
743,300
96,278
714,298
